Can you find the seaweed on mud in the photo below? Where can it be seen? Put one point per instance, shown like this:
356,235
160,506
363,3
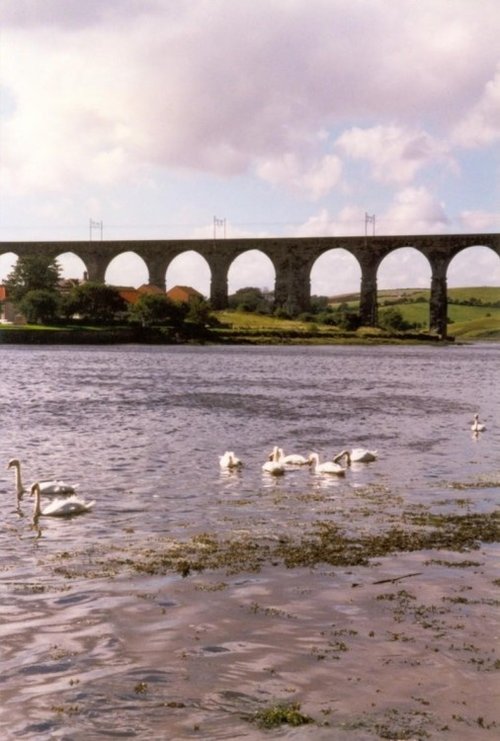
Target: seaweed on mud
326,543
394,724
479,484
279,714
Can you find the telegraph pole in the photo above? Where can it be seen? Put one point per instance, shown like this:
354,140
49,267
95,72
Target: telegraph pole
219,223
95,225
369,220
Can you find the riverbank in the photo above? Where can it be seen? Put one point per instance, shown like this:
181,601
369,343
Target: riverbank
215,335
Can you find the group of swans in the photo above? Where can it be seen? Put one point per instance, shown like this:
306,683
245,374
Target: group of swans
357,455
65,503
277,462
67,507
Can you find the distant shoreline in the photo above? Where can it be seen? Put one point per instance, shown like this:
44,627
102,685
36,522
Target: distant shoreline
114,336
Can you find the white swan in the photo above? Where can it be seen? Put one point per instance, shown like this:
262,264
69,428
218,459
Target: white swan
229,460
293,459
48,488
362,455
59,507
477,426
274,465
332,467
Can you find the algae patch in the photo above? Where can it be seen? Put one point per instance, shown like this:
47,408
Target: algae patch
281,714
325,543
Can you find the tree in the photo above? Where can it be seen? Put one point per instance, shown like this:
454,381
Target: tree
347,318
392,320
32,273
319,304
94,302
249,299
40,306
199,312
157,309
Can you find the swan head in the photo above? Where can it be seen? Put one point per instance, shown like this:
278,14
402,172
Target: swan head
35,489
343,454
13,463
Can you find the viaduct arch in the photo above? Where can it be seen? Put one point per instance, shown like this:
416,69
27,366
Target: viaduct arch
291,257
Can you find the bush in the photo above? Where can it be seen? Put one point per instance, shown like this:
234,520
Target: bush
327,317
40,306
154,309
94,302
392,319
282,313
350,321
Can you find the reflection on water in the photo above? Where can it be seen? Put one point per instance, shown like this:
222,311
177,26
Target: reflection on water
140,429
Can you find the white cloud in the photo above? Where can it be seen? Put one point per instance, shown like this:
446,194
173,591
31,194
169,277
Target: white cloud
252,268
396,154
481,125
480,221
222,87
404,268
315,179
334,273
414,211
350,221
70,14
475,266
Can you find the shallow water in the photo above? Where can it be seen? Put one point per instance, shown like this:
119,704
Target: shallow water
140,430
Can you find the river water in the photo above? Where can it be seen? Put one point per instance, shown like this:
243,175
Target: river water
140,430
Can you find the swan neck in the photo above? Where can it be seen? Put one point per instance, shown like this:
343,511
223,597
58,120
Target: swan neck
17,474
36,506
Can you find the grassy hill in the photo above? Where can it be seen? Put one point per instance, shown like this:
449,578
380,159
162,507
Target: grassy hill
467,322
481,321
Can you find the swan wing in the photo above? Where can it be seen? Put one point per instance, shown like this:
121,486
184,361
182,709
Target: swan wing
331,467
294,459
362,455
274,468
56,488
225,459
67,507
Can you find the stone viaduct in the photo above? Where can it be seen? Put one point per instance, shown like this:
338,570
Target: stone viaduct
292,258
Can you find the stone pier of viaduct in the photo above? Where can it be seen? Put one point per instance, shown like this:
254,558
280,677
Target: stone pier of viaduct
292,258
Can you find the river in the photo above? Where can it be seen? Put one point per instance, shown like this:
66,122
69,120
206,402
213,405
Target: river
140,429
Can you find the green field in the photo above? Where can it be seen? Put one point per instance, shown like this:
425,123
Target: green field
466,322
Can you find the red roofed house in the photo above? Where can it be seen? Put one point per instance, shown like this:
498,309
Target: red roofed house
184,294
132,295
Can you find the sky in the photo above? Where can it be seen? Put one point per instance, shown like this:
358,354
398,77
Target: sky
178,119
